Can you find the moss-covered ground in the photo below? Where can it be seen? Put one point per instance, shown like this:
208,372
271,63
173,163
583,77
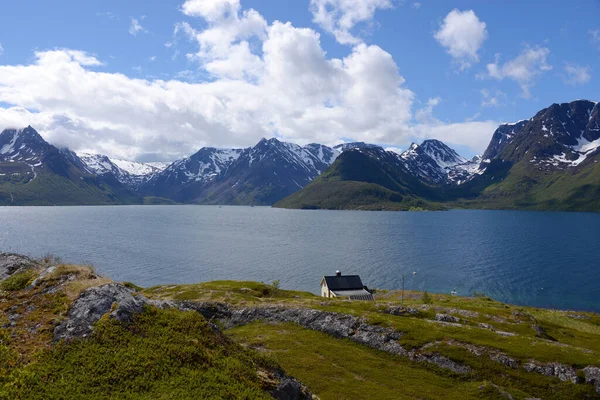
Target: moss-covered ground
168,354
340,369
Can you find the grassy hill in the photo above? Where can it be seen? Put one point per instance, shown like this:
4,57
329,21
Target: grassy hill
452,347
49,189
358,181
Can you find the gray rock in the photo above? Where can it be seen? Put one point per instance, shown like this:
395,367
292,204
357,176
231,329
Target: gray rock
93,304
441,361
447,318
541,332
494,355
464,313
337,325
503,359
334,324
11,264
560,371
577,316
290,388
401,311
592,375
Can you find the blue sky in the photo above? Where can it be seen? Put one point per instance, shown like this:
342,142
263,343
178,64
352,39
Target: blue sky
461,67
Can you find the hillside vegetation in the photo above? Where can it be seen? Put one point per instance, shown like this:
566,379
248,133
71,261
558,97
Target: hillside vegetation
425,346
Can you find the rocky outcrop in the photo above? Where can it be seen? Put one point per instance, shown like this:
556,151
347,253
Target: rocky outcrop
95,303
560,371
122,304
285,387
541,333
447,318
401,311
11,264
592,375
334,324
337,325
440,361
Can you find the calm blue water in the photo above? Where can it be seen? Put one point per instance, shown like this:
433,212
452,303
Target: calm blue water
530,258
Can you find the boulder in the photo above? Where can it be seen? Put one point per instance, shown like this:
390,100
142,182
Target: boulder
94,303
560,371
592,375
11,264
401,311
447,318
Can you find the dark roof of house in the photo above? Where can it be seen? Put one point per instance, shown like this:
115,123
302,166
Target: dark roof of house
344,282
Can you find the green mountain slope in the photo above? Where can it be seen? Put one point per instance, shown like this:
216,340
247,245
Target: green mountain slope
33,172
369,179
549,162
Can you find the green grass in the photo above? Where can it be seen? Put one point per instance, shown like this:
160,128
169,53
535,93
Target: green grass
161,355
578,340
233,292
175,354
341,369
17,281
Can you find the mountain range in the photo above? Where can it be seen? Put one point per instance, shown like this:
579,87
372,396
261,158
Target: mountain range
546,162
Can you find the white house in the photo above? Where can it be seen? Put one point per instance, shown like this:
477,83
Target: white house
349,286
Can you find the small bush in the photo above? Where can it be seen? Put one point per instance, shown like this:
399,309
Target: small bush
133,286
51,259
17,281
426,298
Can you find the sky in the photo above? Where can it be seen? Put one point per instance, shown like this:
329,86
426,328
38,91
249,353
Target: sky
151,80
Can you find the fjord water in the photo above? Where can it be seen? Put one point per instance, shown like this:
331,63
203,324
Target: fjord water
545,259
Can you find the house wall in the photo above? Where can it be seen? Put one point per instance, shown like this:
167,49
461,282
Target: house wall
325,291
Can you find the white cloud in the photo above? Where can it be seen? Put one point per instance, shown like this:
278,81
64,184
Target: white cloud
267,80
1,49
396,150
462,34
416,5
211,10
524,69
224,46
577,74
496,99
136,27
152,59
425,114
474,134
339,17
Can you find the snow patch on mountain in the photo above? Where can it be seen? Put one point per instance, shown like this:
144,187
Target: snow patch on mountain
138,168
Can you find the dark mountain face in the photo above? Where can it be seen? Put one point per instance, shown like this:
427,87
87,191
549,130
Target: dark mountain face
443,155
551,161
422,165
32,171
435,163
556,138
267,172
185,180
258,175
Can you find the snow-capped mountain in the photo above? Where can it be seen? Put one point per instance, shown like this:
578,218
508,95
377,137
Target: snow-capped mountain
562,136
130,173
443,155
60,176
436,163
261,174
138,168
197,170
22,152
